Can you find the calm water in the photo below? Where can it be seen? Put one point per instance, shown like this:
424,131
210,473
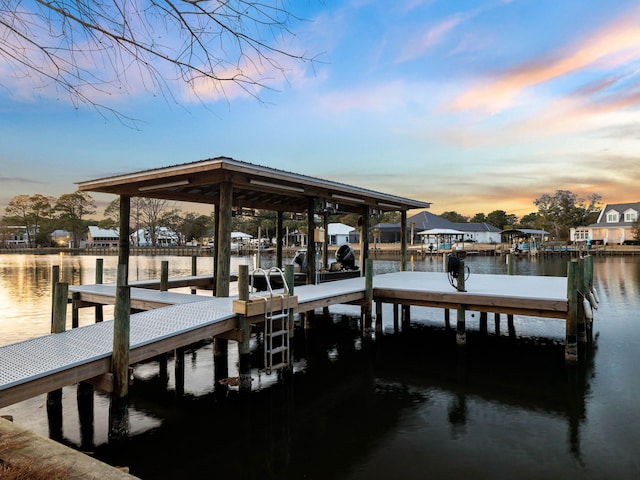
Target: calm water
406,406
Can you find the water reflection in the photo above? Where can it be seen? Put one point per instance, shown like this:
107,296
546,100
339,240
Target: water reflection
408,404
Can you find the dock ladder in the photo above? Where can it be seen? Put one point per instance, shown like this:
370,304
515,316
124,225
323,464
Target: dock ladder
277,354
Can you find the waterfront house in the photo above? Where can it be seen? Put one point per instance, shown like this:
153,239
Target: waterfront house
614,225
338,233
424,221
102,237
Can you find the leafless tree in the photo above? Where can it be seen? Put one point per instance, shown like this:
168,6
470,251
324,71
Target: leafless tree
95,49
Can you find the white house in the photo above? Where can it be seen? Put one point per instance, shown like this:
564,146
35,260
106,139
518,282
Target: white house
101,237
614,225
165,237
338,233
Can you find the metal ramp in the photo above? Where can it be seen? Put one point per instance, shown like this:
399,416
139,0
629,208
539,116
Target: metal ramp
277,353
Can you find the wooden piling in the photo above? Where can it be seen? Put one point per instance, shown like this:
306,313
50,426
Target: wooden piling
311,244
194,270
60,299
461,333
279,238
367,307
75,314
289,277
571,341
244,350
55,278
99,313
58,325
164,275
224,227
511,264
583,292
122,312
403,241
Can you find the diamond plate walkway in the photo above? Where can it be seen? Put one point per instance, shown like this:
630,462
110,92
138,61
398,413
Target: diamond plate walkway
43,364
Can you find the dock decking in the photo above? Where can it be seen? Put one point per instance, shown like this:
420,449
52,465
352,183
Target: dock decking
174,320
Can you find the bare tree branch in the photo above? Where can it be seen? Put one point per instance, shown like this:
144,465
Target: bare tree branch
94,50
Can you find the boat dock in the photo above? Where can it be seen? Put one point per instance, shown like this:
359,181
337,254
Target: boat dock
174,320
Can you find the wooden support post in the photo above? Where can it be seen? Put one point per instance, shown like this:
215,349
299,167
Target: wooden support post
289,276
55,278
75,314
496,323
311,244
396,322
120,356
461,273
122,312
222,276
403,241
583,288
279,238
244,350
367,307
164,275
194,271
60,299
223,266
99,313
216,245
58,325
571,341
447,318
511,264
325,244
364,239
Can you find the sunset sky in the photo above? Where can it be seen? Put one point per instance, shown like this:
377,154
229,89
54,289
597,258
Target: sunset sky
474,106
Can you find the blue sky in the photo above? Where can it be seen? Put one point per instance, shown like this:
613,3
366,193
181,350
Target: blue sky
471,105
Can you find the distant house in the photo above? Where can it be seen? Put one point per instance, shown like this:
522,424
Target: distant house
470,232
14,236
62,238
101,237
165,237
338,233
614,225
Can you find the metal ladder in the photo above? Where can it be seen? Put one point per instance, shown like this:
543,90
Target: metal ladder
276,323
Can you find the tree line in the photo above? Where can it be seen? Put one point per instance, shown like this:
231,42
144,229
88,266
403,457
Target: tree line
41,215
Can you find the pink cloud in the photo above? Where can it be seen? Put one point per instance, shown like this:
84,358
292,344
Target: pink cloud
612,46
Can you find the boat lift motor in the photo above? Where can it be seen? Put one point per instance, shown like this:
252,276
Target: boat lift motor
346,258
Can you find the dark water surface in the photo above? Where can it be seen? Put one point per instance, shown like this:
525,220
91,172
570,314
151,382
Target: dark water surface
406,405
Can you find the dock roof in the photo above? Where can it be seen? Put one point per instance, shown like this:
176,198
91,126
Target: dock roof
254,186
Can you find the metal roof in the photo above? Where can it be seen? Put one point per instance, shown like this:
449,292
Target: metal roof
254,186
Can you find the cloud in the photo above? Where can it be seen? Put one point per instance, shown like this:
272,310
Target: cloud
433,36
21,180
612,46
